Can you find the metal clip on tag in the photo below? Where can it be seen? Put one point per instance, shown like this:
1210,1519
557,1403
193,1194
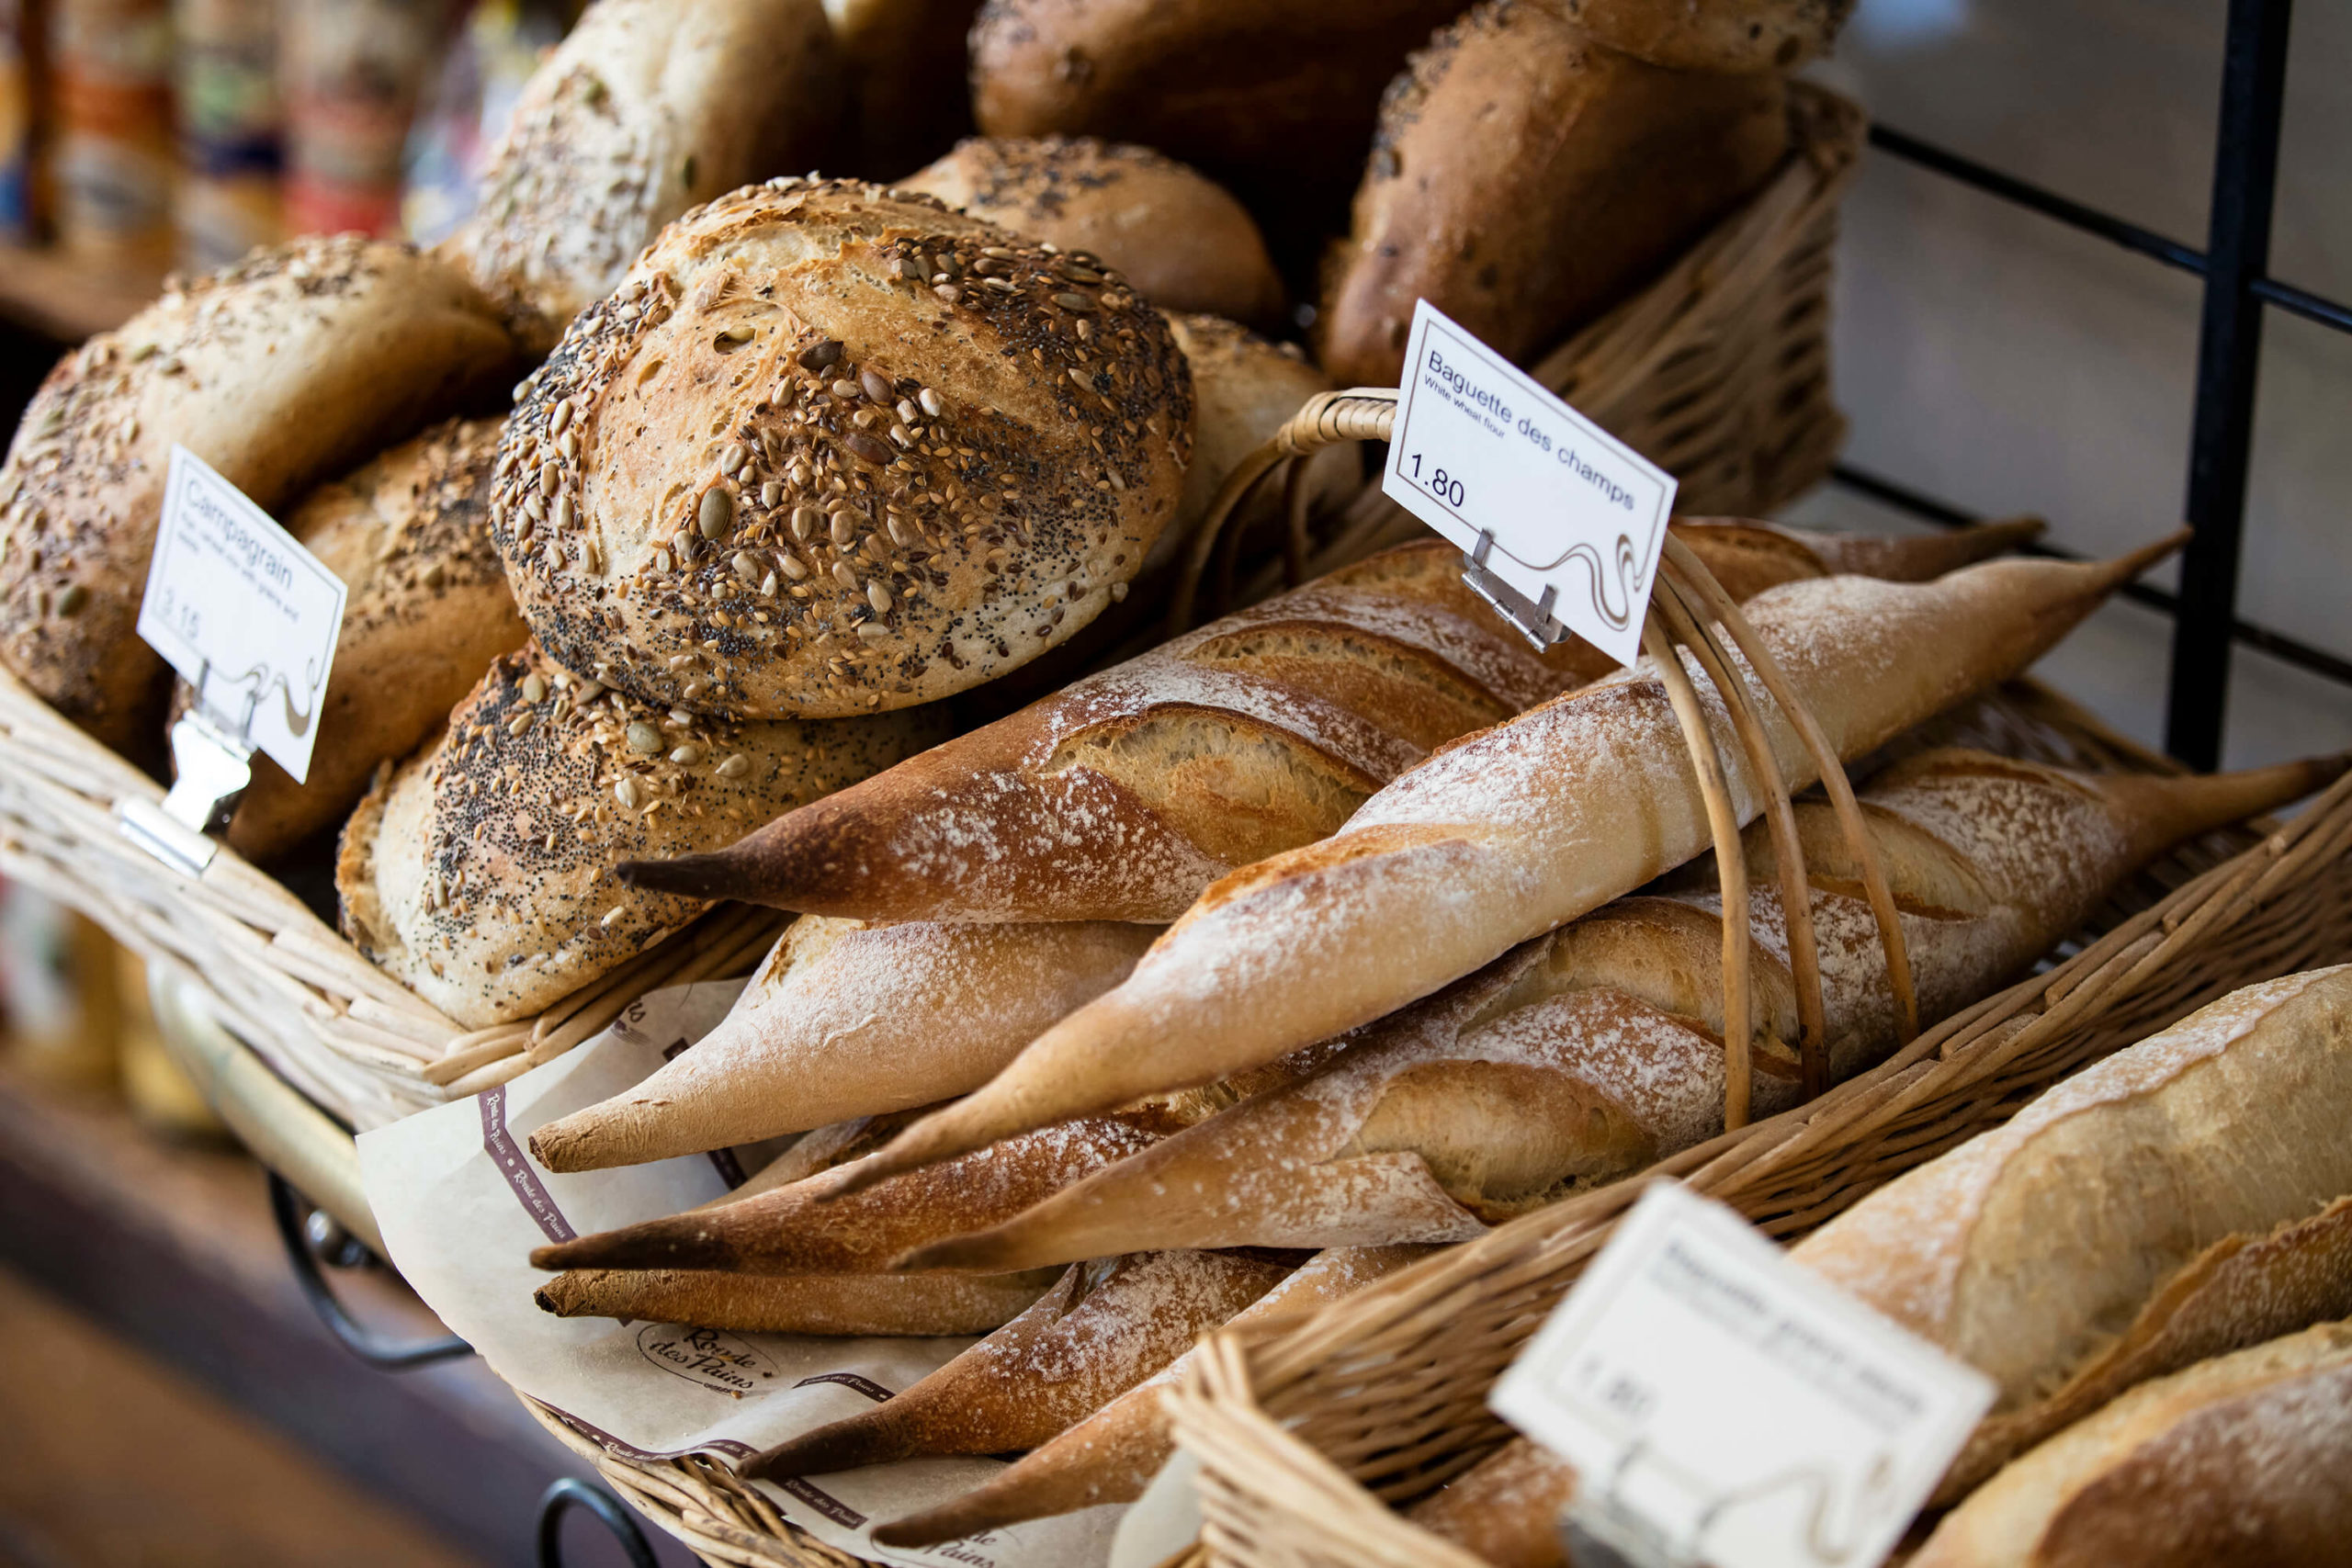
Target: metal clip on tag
1608,1531
212,766
1534,618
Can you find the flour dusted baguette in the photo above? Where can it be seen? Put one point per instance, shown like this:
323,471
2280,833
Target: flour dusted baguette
1596,1050
2237,1461
282,371
845,1021
644,111
853,1305
1111,1455
1126,795
1505,1509
1503,836
2098,1207
1104,1329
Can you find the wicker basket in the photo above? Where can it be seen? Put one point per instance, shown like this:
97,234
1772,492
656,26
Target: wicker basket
1307,1435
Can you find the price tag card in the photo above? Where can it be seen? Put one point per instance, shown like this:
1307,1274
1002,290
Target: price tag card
1577,517
1721,1404
242,610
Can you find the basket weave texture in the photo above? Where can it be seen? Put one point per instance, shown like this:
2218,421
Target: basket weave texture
1308,1434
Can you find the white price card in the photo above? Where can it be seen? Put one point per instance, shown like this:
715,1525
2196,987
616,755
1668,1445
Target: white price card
1721,1404
240,608
1576,518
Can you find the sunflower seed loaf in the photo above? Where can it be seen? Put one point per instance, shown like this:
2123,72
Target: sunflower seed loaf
479,874
1714,35
1525,178
1176,236
644,111
835,450
427,609
281,371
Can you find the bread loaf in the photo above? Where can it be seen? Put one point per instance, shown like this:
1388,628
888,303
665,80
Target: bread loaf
1180,240
780,473
1277,101
1111,1455
1244,390
478,874
1506,1509
2238,1461
1104,1329
426,610
1714,35
281,371
1502,837
2028,1248
1586,1054
646,109
906,65
845,1020
851,1304
1525,178
1126,795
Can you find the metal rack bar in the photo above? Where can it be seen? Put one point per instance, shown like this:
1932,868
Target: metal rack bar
2233,266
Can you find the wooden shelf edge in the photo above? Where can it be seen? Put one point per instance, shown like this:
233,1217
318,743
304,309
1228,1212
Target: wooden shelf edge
68,297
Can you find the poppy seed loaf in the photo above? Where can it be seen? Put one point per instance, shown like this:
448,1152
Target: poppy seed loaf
835,450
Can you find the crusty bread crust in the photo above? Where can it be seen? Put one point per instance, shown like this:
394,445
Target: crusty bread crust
1246,388
427,609
1506,1509
480,872
1714,35
644,110
919,1304
1525,178
1179,238
834,450
282,371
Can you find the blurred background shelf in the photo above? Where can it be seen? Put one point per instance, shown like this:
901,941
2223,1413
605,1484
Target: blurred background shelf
51,294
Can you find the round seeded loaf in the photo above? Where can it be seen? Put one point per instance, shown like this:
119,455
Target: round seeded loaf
281,371
1525,179
427,609
1179,238
835,450
647,108
1714,35
479,874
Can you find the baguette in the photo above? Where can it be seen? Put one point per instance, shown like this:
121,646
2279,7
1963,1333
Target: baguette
1588,1054
1506,1509
2238,1461
1111,1455
850,1304
427,611
1106,1327
1127,793
845,1020
2102,1205
1502,837
282,372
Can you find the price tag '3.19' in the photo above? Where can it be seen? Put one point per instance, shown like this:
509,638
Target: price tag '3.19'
1542,498
1721,1404
243,611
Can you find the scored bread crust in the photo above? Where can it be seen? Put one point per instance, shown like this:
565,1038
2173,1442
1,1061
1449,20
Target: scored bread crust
645,109
782,471
1124,796
1525,178
426,610
2237,1462
281,371
478,874
1179,239
1714,35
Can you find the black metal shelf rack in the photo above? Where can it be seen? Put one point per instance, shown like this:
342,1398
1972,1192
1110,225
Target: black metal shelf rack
2238,292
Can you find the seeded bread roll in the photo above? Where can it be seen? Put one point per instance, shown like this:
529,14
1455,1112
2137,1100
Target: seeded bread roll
1277,101
479,874
427,609
281,371
1714,35
647,108
907,70
1180,239
2237,1463
1525,178
782,473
